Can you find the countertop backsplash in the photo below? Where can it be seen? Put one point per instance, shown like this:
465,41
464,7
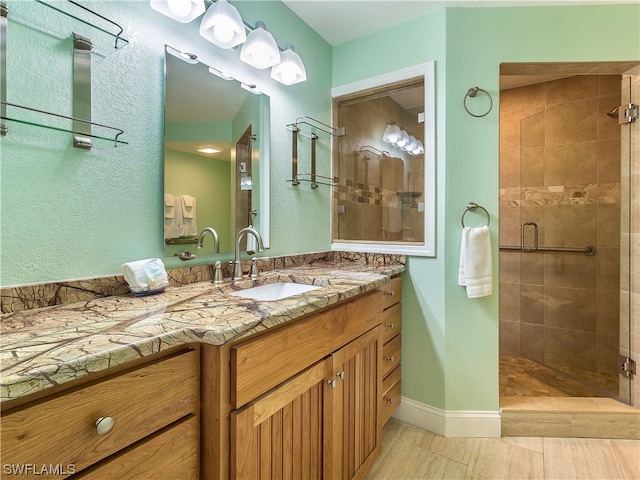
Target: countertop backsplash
27,297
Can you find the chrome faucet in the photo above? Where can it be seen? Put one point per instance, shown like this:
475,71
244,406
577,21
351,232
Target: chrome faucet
237,265
214,234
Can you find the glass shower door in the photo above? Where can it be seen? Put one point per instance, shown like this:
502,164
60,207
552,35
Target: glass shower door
571,224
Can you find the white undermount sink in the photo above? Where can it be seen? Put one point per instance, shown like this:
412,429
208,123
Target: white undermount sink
274,291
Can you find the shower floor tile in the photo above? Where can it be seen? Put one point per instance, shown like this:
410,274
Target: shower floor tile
521,376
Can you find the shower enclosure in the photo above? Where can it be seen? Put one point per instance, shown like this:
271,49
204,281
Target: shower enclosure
563,262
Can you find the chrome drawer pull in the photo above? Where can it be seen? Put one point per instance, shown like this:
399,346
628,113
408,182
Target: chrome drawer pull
104,425
391,294
390,359
340,375
332,383
389,399
392,326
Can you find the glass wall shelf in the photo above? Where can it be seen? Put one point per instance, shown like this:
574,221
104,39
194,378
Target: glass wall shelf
114,138
120,41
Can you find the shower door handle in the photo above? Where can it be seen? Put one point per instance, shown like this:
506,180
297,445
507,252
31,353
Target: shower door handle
535,237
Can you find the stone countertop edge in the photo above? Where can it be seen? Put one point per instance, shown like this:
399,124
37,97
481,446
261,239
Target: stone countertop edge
49,346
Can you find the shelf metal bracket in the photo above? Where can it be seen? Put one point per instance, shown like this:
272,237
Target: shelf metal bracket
82,47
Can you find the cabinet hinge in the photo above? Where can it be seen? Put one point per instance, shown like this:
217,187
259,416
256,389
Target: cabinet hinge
627,114
626,366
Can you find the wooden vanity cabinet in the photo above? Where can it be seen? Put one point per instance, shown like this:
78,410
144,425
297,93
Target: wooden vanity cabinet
145,404
392,349
304,398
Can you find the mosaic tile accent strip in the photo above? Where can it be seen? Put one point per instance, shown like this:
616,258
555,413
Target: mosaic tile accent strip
595,194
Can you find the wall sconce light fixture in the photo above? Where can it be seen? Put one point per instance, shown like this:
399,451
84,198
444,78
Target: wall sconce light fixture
260,50
290,70
222,25
182,11
392,133
400,138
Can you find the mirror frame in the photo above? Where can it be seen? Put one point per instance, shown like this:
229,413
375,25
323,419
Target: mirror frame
428,247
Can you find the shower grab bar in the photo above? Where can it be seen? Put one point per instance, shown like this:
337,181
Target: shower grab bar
589,249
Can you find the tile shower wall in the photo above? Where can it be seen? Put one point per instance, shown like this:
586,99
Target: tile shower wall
560,168
375,193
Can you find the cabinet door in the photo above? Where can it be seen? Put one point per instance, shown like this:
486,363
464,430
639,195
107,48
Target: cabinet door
280,435
355,432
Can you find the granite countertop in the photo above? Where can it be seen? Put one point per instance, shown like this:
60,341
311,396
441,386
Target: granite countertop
44,347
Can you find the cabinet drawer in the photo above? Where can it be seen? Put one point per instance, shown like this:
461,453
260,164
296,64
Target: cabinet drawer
390,401
171,453
392,292
391,379
62,430
391,322
391,355
260,364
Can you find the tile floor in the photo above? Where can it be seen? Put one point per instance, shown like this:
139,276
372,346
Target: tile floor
521,376
409,452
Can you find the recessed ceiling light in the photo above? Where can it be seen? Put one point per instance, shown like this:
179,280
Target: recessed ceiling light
209,150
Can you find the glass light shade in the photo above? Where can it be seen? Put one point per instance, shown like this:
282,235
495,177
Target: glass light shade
222,25
419,148
392,133
290,70
182,11
403,141
260,50
411,144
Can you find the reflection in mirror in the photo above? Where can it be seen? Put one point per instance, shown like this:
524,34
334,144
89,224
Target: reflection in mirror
384,166
216,149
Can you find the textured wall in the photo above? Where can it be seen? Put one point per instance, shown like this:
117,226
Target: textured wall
68,213
450,346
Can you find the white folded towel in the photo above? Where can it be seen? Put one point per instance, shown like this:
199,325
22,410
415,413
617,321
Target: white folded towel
146,275
188,206
395,217
170,223
189,220
252,243
476,270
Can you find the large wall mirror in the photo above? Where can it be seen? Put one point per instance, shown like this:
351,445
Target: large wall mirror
385,165
216,154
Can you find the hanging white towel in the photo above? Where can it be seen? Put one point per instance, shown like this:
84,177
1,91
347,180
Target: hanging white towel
170,223
189,223
476,270
395,217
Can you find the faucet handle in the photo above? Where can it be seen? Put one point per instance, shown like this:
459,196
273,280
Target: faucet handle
217,275
254,269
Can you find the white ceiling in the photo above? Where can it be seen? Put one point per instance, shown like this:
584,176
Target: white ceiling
339,21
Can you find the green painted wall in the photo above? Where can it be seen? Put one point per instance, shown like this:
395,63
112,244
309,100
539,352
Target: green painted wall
450,343
209,181
68,213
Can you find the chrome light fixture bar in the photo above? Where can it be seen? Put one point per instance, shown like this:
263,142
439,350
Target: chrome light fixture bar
182,11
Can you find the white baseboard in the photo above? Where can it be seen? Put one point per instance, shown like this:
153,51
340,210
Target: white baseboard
458,423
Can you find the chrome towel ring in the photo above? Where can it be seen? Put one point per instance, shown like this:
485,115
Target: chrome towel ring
472,92
471,206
